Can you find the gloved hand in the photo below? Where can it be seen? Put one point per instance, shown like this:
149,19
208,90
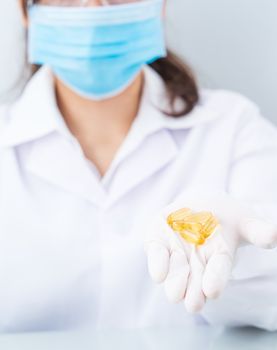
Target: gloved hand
193,273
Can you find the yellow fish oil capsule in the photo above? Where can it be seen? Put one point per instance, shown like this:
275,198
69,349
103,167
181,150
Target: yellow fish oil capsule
193,227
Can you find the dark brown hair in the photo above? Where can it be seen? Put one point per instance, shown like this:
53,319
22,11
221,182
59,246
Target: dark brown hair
179,81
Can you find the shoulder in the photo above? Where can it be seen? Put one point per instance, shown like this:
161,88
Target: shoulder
228,102
252,133
238,110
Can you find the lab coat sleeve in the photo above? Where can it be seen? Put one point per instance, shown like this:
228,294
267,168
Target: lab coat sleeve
250,299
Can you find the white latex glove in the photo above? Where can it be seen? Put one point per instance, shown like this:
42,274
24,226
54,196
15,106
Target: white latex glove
191,274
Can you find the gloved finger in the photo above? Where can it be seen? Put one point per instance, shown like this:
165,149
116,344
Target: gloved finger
157,261
216,274
259,232
157,248
195,298
177,278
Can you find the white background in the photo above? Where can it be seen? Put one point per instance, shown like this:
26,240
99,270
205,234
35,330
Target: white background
231,44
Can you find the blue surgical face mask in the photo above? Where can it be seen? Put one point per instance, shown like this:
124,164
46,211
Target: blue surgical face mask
96,51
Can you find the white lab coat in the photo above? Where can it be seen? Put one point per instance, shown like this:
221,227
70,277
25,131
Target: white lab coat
71,243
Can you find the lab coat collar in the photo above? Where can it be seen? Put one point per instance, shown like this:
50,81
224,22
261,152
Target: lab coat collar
151,121
155,100
36,114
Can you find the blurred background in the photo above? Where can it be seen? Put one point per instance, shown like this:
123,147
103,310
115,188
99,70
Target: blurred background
231,44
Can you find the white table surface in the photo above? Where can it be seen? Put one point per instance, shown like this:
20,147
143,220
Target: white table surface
201,337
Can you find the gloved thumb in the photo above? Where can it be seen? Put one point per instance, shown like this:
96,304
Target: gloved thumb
259,232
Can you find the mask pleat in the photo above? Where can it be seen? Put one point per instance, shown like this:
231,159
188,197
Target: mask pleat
96,59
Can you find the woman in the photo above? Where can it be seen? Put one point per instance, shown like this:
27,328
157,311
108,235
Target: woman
109,137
